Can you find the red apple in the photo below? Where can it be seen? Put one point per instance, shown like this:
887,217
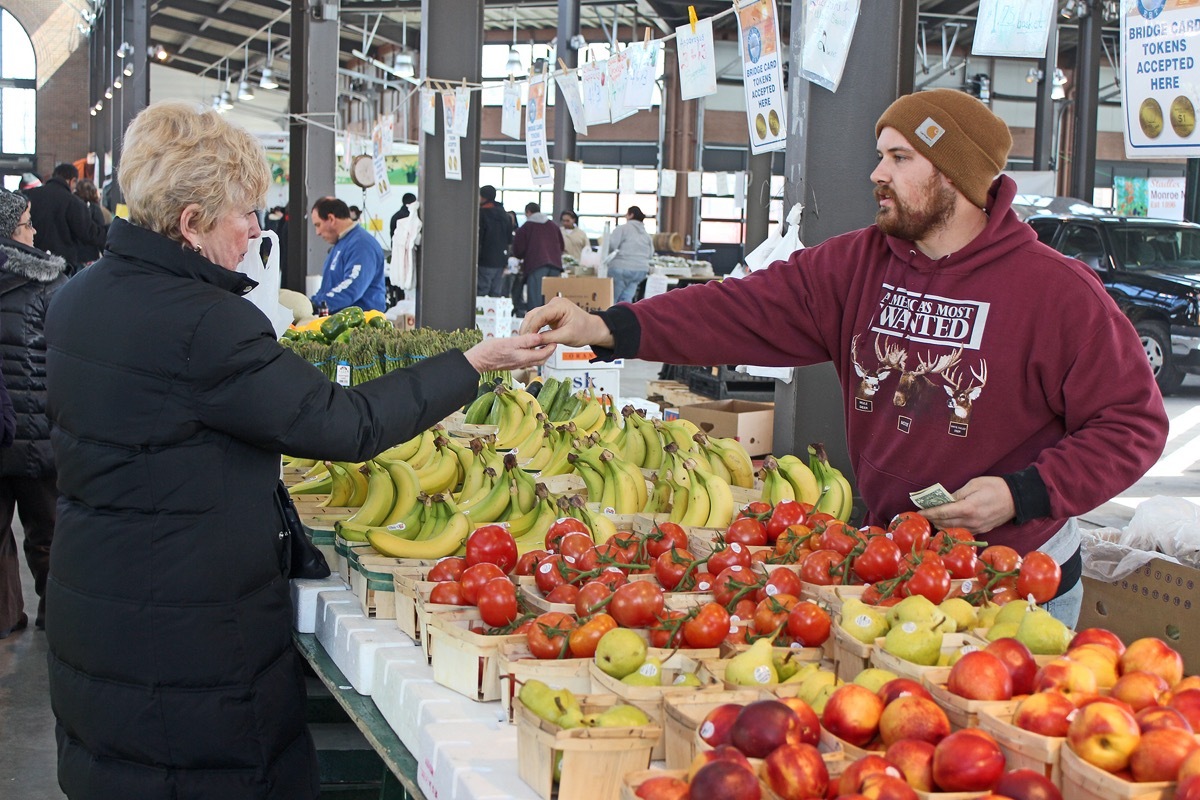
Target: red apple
1190,682
967,761
1160,753
762,726
1044,713
887,787
1100,660
915,760
1139,689
915,718
852,713
899,687
1068,677
796,772
1098,636
981,676
1153,718
724,752
1188,788
1189,767
714,728
1027,784
1153,655
1104,735
810,723
859,770
1187,703
663,787
1018,659
722,780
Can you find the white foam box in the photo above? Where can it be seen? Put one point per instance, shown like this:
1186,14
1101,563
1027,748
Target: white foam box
494,327
601,381
419,702
470,760
652,410
329,603
355,639
393,667
304,600
493,307
579,358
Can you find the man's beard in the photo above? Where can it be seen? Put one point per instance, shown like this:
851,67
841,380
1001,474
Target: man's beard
915,223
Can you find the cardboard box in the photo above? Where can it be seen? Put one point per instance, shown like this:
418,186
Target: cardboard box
493,307
590,294
493,327
601,381
752,424
1159,599
579,358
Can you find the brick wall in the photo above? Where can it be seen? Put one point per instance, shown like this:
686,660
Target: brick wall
62,113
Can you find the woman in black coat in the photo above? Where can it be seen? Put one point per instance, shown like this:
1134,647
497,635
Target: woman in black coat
172,671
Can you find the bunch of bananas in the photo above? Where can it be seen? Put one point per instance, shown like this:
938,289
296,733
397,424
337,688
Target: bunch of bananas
616,484
789,478
837,496
442,530
520,419
689,492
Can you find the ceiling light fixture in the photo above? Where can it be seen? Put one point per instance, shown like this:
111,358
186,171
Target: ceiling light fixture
403,63
514,65
245,91
118,83
108,93
126,49
1034,75
128,69
159,53
267,81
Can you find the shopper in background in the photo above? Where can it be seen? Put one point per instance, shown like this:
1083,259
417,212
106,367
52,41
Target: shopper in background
629,252
355,212
403,213
62,220
353,274
539,245
495,234
969,353
86,191
575,241
172,669
29,278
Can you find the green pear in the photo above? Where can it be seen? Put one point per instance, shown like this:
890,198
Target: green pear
953,658
822,697
620,652
815,682
959,610
1043,634
753,667
571,718
540,699
1012,611
986,614
687,679
916,608
785,665
648,674
1005,630
861,621
873,678
619,716
914,642
803,670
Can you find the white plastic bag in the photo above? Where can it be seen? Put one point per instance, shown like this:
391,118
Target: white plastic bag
756,258
1106,559
270,279
1168,524
790,241
402,270
589,258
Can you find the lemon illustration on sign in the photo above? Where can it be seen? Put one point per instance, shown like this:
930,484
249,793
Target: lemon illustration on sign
1183,117
1150,117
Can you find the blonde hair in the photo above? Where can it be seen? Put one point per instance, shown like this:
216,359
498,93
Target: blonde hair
176,154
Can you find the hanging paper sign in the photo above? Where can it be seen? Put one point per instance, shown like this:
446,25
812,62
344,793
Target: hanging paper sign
573,176
510,118
625,176
388,131
449,111
828,32
739,190
593,80
1013,28
695,184
378,161
1160,79
568,91
429,111
697,66
722,183
462,110
666,183
641,68
758,34
450,152
618,72
535,132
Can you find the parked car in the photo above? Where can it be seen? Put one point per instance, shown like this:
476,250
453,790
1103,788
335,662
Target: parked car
1151,267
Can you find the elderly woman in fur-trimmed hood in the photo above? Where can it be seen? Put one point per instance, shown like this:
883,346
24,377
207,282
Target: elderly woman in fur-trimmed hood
28,279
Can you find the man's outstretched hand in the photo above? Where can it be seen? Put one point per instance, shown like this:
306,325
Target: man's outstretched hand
569,325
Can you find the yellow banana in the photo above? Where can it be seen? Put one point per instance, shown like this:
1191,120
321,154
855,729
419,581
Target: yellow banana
634,450
492,506
521,524
610,429
654,442
698,503
526,485
559,463
847,494
720,499
590,417
486,484
802,479
409,526
776,488
602,527
425,450
831,500
465,455
321,485
440,474
408,489
631,494
736,460
405,450
381,496
299,463
659,500
530,445
545,451
342,489
451,537
718,466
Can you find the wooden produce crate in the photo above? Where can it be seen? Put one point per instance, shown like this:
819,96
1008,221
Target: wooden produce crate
683,713
408,582
517,665
425,612
951,643
651,699
832,597
594,760
528,589
1025,749
1082,781
346,555
371,581
850,656
697,537
961,712
468,663
831,743
633,780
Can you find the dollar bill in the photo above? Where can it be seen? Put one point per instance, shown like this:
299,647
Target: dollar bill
935,495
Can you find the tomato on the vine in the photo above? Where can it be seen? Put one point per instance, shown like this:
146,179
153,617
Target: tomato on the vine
821,568
497,602
670,567
961,561
528,562
946,538
667,631
785,514
612,577
708,628
867,532
583,640
474,577
1001,558
809,624
663,537
759,510
564,594
637,604
794,542
732,582
836,536
549,633
1039,576
911,534
746,531
743,608
447,593
930,580
629,543
604,555
561,528
702,581
879,561
574,545
908,516
492,544
772,613
780,581
726,557
552,571
590,597
448,569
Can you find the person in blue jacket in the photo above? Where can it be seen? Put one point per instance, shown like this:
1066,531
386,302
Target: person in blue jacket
353,273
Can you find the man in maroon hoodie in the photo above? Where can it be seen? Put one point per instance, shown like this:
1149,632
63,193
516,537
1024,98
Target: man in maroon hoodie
539,245
969,354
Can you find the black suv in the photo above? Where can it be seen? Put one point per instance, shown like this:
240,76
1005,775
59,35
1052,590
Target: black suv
1151,267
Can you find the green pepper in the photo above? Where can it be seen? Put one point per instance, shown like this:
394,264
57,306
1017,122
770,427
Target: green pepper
379,322
354,316
293,335
344,336
313,336
333,325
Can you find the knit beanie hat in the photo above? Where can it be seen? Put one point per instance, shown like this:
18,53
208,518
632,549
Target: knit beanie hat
960,135
12,205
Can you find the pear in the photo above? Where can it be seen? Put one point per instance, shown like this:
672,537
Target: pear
1012,611
986,614
753,667
873,678
1005,630
959,610
915,642
541,700
786,665
620,652
619,716
916,608
803,670
687,679
571,718
815,683
953,658
818,703
861,621
648,674
1043,634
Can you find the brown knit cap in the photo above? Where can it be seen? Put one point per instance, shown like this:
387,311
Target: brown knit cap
960,135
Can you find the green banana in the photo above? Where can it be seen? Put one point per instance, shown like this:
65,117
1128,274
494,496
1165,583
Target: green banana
322,485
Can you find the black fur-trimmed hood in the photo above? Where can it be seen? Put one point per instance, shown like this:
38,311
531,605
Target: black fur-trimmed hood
31,263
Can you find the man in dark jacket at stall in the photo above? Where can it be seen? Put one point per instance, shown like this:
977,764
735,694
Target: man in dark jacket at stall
29,278
539,245
62,220
495,231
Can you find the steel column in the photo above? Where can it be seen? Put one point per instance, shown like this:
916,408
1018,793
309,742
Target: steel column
451,51
1044,157
758,200
564,131
1087,102
135,90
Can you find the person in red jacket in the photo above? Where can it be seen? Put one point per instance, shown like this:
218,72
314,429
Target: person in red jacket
539,245
969,354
